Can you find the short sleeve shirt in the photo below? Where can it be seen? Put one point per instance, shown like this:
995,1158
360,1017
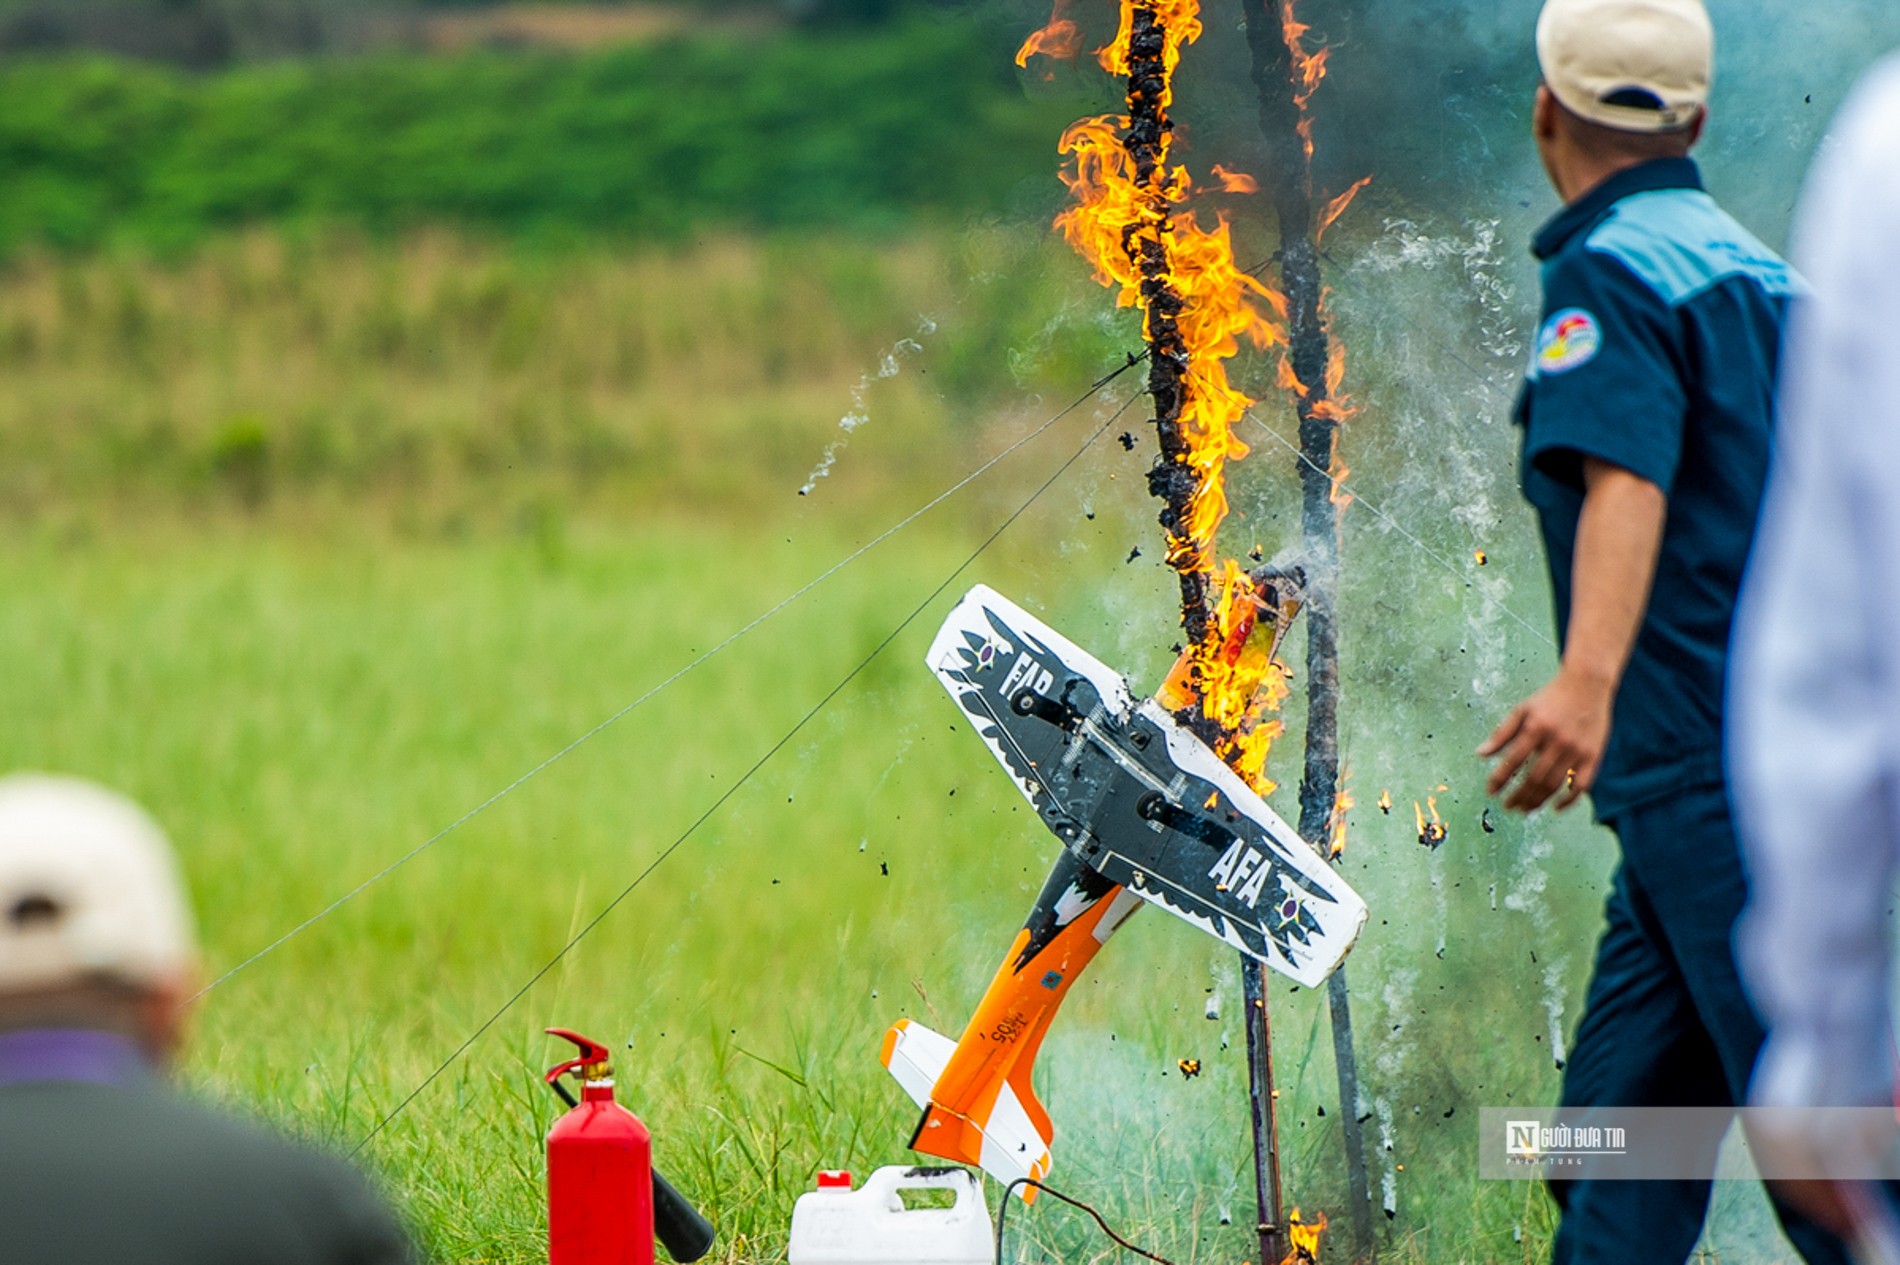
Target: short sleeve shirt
1656,352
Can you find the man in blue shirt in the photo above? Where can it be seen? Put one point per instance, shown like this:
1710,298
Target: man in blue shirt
1647,419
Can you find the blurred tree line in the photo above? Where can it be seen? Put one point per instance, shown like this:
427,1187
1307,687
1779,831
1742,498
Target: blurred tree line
802,129
202,34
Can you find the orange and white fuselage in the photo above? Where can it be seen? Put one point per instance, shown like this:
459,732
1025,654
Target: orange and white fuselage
979,1105
1147,814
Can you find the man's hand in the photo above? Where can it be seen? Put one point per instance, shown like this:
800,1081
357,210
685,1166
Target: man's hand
1556,736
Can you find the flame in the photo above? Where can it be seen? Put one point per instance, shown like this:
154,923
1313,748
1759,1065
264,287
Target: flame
1117,217
1243,684
1337,472
1334,209
1308,68
1061,39
1342,804
1336,373
1236,181
1180,24
1303,1239
1433,832
1385,802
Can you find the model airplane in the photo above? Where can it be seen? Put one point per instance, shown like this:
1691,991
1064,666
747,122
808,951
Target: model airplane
1146,813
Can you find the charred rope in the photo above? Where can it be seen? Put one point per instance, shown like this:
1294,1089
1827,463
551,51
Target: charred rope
1174,481
1172,478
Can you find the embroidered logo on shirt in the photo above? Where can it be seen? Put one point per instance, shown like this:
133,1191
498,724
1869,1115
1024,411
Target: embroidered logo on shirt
1570,338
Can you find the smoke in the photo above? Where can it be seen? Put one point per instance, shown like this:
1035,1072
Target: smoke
1444,609
889,366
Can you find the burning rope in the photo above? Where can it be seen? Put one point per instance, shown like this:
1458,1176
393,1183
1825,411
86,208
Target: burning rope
1197,305
1126,218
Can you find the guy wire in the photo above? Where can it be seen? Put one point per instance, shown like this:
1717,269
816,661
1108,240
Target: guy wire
1094,390
784,741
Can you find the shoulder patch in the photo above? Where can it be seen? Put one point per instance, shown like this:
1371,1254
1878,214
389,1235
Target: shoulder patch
1570,338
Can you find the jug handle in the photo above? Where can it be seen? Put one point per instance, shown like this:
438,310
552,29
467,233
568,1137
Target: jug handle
929,1177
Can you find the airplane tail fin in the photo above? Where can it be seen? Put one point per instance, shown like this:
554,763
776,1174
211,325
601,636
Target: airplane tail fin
998,1132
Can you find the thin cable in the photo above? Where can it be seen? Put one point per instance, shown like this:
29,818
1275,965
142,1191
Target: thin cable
1073,1202
745,777
670,681
1450,567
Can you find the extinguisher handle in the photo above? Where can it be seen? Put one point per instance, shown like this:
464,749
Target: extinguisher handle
686,1235
592,1054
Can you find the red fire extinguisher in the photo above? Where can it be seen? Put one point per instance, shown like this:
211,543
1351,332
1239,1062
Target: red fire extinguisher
602,1191
600,1170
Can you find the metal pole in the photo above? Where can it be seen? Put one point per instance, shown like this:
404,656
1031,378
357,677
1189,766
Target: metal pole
1266,1130
1287,130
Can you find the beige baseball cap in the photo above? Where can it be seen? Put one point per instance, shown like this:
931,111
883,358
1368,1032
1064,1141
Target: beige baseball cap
89,889
1633,65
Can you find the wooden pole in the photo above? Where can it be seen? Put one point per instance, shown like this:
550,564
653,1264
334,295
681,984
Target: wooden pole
1286,127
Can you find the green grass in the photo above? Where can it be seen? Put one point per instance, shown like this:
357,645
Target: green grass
314,545
440,383
300,716
302,709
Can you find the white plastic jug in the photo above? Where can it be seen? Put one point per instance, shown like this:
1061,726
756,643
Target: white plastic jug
835,1225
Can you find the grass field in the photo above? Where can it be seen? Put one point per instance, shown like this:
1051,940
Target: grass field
301,715
314,547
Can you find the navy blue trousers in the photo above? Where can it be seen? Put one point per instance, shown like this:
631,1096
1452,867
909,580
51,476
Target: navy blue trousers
1666,1024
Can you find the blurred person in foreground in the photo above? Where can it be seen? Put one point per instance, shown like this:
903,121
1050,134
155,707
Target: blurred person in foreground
1647,418
1815,744
99,1160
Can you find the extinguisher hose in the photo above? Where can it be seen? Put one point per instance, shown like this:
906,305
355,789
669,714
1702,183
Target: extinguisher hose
685,1234
681,1230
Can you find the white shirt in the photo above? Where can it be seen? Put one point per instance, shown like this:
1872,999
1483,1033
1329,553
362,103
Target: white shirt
1814,685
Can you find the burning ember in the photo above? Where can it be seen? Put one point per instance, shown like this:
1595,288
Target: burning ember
1434,832
1190,1068
1385,802
1303,1237
1336,831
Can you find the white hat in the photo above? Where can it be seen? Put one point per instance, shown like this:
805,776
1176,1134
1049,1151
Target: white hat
1633,65
89,889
